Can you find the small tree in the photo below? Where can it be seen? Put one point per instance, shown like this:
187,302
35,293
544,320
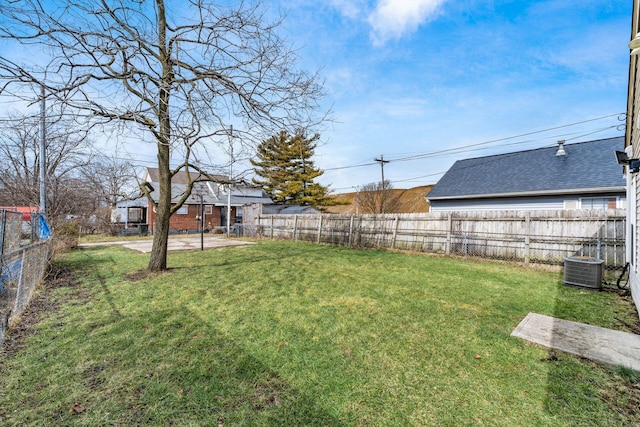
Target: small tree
287,172
376,198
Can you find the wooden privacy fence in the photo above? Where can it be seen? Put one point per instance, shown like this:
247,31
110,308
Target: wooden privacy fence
531,237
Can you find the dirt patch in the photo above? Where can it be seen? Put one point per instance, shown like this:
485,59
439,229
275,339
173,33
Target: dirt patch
143,274
42,302
623,397
267,393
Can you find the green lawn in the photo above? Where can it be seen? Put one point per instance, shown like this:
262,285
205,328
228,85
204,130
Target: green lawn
284,333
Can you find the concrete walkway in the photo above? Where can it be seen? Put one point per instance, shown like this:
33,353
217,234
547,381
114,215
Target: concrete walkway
175,243
605,346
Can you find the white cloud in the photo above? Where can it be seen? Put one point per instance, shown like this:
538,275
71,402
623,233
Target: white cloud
392,19
349,8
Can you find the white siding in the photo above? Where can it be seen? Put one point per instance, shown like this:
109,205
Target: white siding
513,204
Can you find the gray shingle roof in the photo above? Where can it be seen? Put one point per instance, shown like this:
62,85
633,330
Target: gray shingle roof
587,165
181,176
179,187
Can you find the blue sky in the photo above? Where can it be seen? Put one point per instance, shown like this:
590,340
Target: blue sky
417,81
411,77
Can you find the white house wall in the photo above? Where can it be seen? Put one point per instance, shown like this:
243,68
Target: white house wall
632,142
513,204
632,237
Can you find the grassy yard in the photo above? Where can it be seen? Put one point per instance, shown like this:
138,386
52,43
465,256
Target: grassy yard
284,333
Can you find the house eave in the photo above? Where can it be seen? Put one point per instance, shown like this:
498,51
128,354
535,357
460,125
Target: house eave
568,192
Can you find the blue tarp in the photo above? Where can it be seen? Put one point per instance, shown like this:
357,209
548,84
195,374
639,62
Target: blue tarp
45,232
9,272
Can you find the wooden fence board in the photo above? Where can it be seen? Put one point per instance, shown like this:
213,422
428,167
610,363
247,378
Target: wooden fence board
537,236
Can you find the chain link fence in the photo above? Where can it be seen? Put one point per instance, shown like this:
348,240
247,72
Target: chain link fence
544,237
24,256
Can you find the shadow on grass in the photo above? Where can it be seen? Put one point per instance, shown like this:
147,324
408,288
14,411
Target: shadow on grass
580,392
280,256
169,367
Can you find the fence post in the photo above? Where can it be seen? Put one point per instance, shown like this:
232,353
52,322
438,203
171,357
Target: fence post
615,242
464,244
295,228
3,222
449,226
527,237
395,232
16,306
272,226
319,229
350,230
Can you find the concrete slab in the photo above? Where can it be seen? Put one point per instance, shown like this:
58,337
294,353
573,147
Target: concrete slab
175,243
605,346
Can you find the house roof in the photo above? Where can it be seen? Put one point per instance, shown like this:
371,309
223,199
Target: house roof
289,209
181,177
240,194
587,167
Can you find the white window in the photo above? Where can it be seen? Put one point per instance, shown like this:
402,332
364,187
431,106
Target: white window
184,210
208,210
599,203
135,214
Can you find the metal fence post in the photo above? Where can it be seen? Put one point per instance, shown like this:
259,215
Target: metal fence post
16,307
350,229
449,226
527,237
3,222
464,244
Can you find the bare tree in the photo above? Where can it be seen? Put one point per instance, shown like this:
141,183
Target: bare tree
112,179
67,151
375,198
180,73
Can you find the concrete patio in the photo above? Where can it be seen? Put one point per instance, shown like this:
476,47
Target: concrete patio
601,345
176,243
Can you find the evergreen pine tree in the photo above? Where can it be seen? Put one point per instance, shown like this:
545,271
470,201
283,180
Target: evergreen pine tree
286,172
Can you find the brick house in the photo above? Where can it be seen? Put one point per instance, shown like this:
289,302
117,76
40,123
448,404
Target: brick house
209,199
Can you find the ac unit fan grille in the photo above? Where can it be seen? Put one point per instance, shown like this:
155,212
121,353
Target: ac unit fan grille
583,272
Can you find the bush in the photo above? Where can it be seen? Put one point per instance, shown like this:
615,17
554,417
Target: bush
66,235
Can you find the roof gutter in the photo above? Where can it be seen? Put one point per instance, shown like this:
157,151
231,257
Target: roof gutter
617,189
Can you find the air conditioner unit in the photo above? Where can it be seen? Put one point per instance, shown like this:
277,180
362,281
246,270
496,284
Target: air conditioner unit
584,272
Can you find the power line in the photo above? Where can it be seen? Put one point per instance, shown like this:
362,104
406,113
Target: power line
465,148
418,156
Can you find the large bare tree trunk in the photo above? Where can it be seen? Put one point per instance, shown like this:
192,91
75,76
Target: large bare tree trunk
158,260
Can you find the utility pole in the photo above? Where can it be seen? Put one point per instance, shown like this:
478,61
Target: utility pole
201,222
230,178
382,161
43,158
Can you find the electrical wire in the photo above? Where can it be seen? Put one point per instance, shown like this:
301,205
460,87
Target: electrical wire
472,147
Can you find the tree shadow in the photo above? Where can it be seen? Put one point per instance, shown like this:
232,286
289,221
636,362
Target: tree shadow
579,391
198,373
